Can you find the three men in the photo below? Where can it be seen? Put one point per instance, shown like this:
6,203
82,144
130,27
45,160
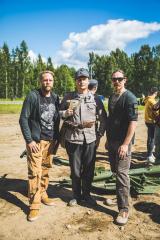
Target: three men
121,124
79,110
39,121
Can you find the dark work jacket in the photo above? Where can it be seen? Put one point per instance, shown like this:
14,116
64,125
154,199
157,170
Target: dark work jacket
125,111
30,117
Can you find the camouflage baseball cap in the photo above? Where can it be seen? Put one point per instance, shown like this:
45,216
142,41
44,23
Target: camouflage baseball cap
82,72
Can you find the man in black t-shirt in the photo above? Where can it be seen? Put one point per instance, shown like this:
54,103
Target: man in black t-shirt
47,110
121,124
39,121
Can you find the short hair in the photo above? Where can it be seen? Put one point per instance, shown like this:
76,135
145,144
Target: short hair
119,70
93,83
43,72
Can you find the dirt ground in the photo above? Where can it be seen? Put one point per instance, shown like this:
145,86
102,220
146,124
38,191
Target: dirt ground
61,222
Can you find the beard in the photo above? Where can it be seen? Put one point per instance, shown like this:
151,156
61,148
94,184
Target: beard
46,88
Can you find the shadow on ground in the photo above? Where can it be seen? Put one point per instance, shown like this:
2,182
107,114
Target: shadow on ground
150,208
10,187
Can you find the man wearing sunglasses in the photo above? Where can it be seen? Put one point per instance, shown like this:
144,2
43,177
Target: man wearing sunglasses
122,107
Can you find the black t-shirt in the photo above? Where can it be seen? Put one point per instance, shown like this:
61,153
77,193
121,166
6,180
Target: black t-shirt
47,112
124,111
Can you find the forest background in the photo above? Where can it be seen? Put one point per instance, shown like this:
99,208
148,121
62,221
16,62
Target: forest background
19,74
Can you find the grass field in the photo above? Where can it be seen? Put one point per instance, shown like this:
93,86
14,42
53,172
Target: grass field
16,108
140,108
9,99
10,108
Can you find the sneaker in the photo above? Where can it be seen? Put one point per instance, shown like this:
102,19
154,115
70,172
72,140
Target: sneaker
33,215
73,202
89,200
48,201
151,159
110,202
122,217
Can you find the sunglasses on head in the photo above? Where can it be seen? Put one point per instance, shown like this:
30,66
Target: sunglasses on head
119,79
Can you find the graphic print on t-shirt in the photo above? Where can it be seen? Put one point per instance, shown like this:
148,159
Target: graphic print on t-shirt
47,109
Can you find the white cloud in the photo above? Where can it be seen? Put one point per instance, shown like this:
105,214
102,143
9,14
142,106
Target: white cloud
33,56
102,39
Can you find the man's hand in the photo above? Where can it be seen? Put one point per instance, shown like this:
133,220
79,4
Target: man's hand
68,113
33,147
122,151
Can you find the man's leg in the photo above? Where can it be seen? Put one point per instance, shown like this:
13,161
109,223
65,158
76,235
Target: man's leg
123,181
88,162
46,164
112,150
150,140
34,161
74,152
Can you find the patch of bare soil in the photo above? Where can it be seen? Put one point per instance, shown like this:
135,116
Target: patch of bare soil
61,222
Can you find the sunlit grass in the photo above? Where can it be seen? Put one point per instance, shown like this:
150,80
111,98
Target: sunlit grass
16,108
10,108
140,107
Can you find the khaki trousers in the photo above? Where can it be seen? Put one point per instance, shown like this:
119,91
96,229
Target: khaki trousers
38,168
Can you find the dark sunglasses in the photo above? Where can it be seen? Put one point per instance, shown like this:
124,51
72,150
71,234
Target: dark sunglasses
119,79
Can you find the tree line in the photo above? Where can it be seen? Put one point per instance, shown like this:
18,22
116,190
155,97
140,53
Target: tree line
19,74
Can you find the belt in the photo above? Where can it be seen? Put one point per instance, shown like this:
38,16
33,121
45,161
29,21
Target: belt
74,125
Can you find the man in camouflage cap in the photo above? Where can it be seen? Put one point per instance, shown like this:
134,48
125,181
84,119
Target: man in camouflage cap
79,109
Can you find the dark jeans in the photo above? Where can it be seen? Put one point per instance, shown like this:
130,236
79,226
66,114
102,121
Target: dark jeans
82,164
150,138
121,168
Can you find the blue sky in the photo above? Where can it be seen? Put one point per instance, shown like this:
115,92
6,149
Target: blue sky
47,25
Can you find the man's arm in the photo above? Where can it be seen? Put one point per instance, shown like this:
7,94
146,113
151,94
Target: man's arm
23,121
102,118
131,109
123,149
130,132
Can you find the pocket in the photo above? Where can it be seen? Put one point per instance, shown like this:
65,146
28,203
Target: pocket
91,107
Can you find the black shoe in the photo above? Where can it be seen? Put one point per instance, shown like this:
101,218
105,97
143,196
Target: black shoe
89,200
